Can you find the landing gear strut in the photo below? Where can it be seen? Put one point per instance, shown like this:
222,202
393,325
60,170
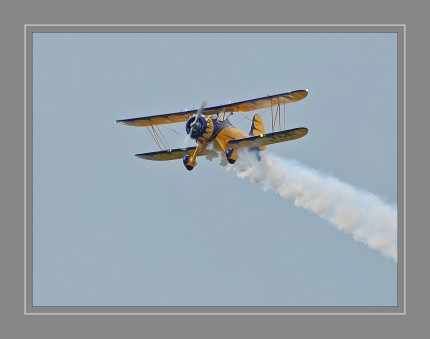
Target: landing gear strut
231,155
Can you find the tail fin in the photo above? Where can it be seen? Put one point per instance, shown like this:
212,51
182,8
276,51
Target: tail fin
257,128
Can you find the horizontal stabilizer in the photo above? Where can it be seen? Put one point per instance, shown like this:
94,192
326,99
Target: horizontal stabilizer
270,138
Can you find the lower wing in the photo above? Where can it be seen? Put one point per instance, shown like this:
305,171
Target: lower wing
270,138
171,154
249,142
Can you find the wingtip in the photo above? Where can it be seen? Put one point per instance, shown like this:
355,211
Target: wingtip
122,122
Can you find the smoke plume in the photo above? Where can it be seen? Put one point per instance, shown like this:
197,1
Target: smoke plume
362,214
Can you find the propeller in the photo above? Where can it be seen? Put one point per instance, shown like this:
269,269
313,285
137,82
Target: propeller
195,125
199,112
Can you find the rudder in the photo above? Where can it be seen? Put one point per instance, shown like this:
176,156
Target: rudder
257,128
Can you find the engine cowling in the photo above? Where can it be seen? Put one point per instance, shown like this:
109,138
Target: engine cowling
202,129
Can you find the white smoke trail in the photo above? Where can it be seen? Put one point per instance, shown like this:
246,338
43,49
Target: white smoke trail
355,211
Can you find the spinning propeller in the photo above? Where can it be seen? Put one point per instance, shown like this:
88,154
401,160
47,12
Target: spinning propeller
195,126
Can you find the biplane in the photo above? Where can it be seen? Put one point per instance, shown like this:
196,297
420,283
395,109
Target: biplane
214,134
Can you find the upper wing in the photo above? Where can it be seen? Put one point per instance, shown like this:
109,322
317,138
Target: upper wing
260,103
169,118
241,106
270,138
171,154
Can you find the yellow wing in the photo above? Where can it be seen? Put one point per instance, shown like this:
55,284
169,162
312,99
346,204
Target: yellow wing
264,102
242,106
169,118
171,154
270,138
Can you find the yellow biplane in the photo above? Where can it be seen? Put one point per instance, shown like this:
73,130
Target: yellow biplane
215,135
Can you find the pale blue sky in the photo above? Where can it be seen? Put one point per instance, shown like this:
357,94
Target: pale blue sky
112,229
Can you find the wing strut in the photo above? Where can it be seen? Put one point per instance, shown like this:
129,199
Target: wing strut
277,118
158,137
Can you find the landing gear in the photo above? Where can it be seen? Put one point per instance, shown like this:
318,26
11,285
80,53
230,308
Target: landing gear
189,162
231,155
